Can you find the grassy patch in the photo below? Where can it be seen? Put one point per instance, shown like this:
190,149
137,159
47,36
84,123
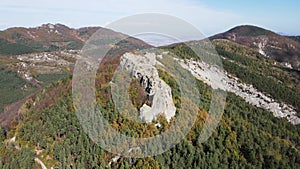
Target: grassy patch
47,79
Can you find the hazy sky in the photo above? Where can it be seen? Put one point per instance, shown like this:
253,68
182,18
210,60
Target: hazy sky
209,16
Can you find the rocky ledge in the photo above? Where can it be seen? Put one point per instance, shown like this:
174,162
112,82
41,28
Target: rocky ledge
142,67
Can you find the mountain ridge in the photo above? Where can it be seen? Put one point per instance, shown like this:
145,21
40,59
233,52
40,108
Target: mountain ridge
270,44
295,38
47,132
47,37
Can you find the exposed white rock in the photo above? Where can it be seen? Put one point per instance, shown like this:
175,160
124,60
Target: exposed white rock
117,157
57,32
40,162
113,160
143,66
261,46
51,26
212,75
261,51
49,58
12,140
288,65
158,125
30,34
217,78
43,63
27,76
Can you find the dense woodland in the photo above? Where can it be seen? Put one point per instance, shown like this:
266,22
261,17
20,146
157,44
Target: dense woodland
247,137
10,83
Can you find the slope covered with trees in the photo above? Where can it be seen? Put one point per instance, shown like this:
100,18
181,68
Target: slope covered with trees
47,127
281,48
247,137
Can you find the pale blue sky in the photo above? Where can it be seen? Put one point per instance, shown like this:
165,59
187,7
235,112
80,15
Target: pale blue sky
209,16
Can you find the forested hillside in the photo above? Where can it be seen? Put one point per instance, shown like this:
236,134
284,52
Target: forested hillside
247,137
46,130
282,49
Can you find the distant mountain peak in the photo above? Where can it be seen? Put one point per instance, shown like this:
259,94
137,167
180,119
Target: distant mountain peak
250,30
48,37
53,26
266,42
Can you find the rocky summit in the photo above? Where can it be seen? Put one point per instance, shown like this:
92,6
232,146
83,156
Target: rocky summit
142,66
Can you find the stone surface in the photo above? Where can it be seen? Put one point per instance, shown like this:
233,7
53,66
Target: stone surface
142,66
218,78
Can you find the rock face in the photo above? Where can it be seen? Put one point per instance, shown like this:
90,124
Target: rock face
217,78
142,66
